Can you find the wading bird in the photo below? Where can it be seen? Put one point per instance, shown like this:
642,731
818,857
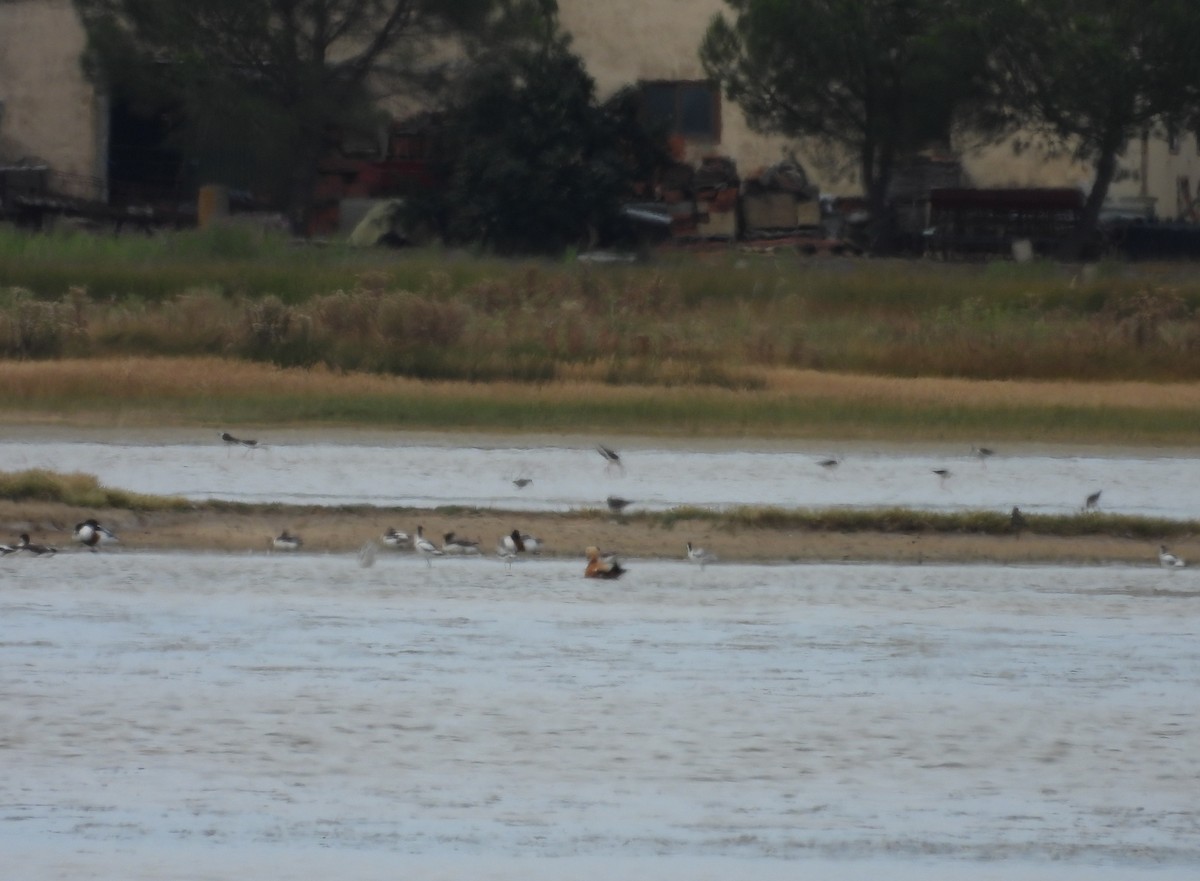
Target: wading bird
611,458
237,441
700,556
425,547
393,539
459,547
616,504
1092,501
1168,560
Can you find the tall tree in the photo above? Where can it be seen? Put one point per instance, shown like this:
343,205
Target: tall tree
535,163
271,77
872,79
1094,75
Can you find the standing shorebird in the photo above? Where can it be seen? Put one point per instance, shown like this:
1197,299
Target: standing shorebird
1017,520
611,457
237,441
90,534
522,482
1168,560
616,504
1092,501
830,463
943,474
425,547
982,453
700,556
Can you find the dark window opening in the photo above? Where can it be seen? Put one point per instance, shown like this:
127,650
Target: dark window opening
689,109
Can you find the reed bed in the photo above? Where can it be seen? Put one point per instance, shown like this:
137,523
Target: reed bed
708,319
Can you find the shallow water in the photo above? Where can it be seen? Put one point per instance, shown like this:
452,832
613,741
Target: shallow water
179,715
409,473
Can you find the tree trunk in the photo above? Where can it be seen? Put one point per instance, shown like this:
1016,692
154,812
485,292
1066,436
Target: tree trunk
1083,242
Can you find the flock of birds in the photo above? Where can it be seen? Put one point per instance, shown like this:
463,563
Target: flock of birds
89,533
511,547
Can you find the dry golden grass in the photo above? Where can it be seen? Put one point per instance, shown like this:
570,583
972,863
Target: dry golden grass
131,379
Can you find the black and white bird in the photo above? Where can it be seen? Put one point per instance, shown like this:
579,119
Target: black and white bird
425,547
37,550
91,534
519,542
398,540
700,556
285,541
237,441
611,457
1092,501
943,474
1168,560
616,504
459,547
5,550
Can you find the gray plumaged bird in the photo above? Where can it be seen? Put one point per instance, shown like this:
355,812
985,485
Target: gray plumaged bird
1092,501
616,504
522,482
237,441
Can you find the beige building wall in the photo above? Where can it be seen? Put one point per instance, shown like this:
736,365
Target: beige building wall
51,113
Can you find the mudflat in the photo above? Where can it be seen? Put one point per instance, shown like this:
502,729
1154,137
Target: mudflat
565,535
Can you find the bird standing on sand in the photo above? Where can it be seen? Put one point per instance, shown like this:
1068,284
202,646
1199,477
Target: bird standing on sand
616,504
518,542
602,567
425,547
90,534
1168,560
700,556
1017,520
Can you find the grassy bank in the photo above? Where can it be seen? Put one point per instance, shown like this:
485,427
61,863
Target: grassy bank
785,404
707,320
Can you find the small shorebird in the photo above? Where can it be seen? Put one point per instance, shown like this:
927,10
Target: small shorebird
616,504
285,541
37,550
522,482
425,547
1168,560
983,453
602,567
1017,520
610,457
1092,501
237,441
394,539
699,555
830,463
455,546
90,534
942,473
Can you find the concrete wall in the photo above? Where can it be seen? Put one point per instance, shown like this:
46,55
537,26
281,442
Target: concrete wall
51,113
